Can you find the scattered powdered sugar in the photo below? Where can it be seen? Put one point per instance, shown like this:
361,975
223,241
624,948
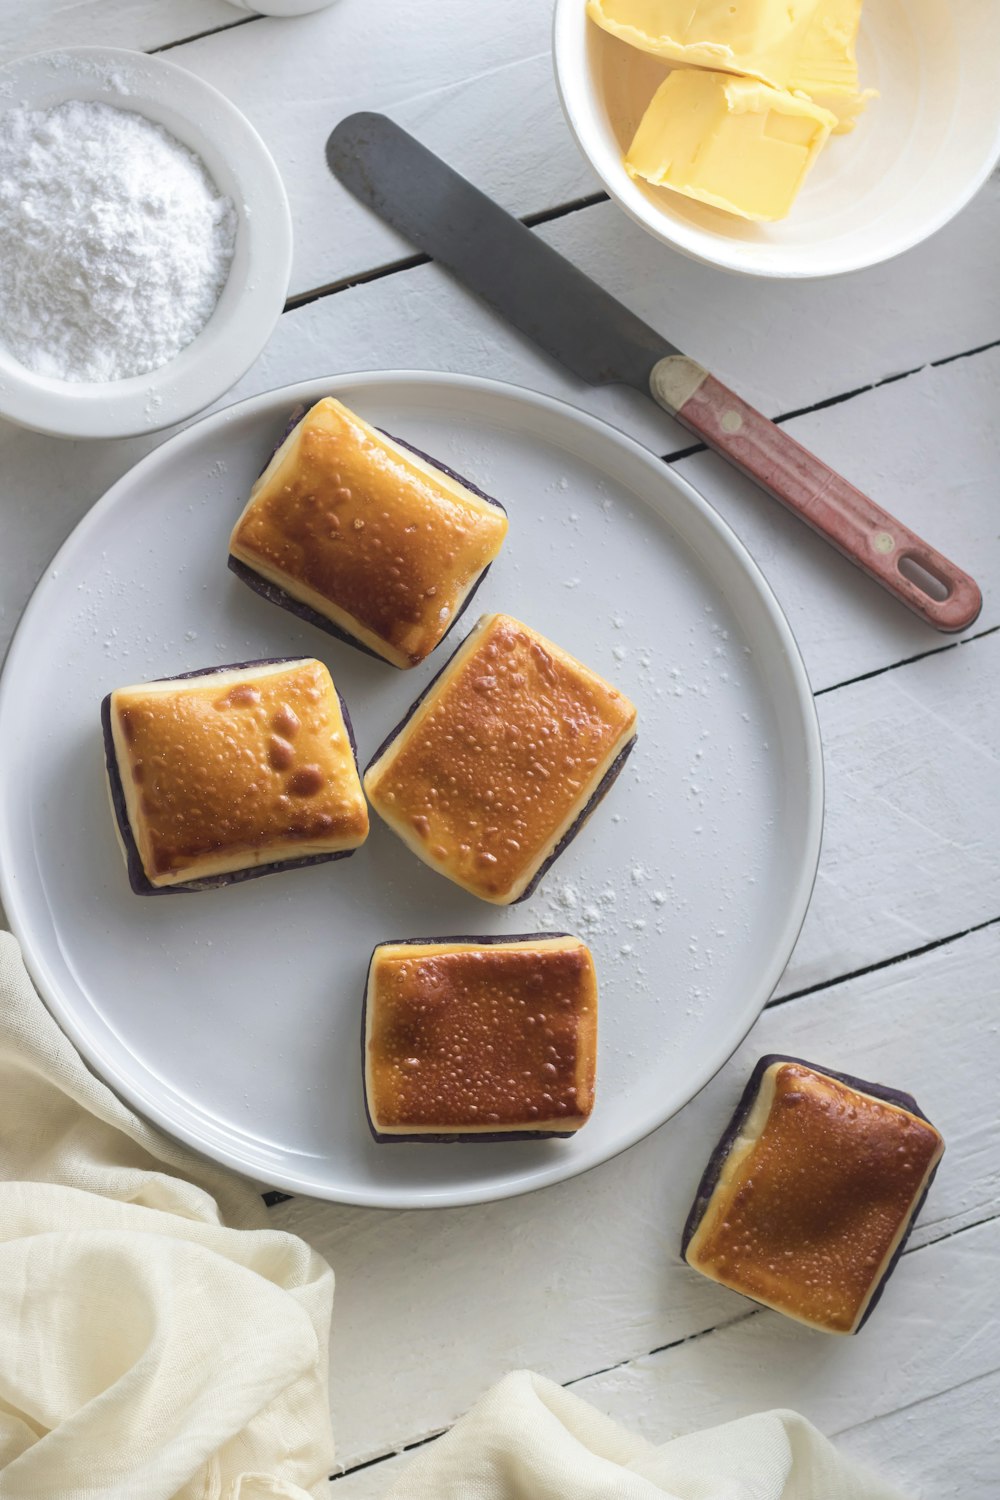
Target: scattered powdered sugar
666,918
115,243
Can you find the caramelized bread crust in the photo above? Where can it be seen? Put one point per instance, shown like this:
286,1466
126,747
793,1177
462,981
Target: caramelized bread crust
808,1202
367,533
234,768
498,761
485,1039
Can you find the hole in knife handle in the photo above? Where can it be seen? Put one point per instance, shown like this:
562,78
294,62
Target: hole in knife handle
938,589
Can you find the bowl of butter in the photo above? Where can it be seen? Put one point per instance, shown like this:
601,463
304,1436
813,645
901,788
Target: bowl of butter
784,137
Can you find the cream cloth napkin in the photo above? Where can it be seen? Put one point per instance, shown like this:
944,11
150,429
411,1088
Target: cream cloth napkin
528,1439
157,1340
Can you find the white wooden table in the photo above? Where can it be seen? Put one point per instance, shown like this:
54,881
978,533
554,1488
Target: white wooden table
894,376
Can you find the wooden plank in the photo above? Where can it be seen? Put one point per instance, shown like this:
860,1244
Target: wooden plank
475,84
936,1331
940,476
912,813
889,1407
938,1447
785,345
139,24
586,1275
478,89
942,480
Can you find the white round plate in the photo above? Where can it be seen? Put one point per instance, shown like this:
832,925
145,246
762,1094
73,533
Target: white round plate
232,1017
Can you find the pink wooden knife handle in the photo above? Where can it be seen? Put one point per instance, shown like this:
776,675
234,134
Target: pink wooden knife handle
902,562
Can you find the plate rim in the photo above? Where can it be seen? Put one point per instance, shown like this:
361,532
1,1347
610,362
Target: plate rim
466,1193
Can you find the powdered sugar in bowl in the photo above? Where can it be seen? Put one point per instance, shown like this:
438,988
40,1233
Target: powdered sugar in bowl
189,223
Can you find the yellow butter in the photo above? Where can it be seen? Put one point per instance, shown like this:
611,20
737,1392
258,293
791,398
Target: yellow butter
733,142
825,62
762,38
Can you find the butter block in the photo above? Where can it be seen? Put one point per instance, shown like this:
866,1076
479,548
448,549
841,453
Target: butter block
733,142
761,38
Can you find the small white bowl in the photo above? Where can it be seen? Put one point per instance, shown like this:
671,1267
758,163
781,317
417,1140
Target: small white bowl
254,294
917,155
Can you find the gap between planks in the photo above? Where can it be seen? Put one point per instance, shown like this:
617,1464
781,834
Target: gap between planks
838,400
907,661
412,262
883,963
744,1317
199,36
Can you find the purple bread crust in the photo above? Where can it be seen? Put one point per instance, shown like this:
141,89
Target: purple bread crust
597,796
275,594
451,1138
292,421
137,877
710,1177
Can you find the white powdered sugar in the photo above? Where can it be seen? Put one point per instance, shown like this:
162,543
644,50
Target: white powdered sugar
115,243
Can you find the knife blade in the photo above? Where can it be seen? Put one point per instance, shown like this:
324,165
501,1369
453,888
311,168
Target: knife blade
576,321
522,279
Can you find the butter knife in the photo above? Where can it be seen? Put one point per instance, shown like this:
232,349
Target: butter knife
572,318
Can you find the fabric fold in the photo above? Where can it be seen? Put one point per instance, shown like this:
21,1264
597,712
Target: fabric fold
529,1439
157,1340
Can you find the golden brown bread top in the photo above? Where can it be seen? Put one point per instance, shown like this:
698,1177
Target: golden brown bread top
510,742
345,517
490,1036
248,762
807,1218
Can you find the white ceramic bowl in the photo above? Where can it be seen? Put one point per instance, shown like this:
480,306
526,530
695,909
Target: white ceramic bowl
254,294
917,156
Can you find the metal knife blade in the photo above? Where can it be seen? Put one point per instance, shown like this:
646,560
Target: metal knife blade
510,267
